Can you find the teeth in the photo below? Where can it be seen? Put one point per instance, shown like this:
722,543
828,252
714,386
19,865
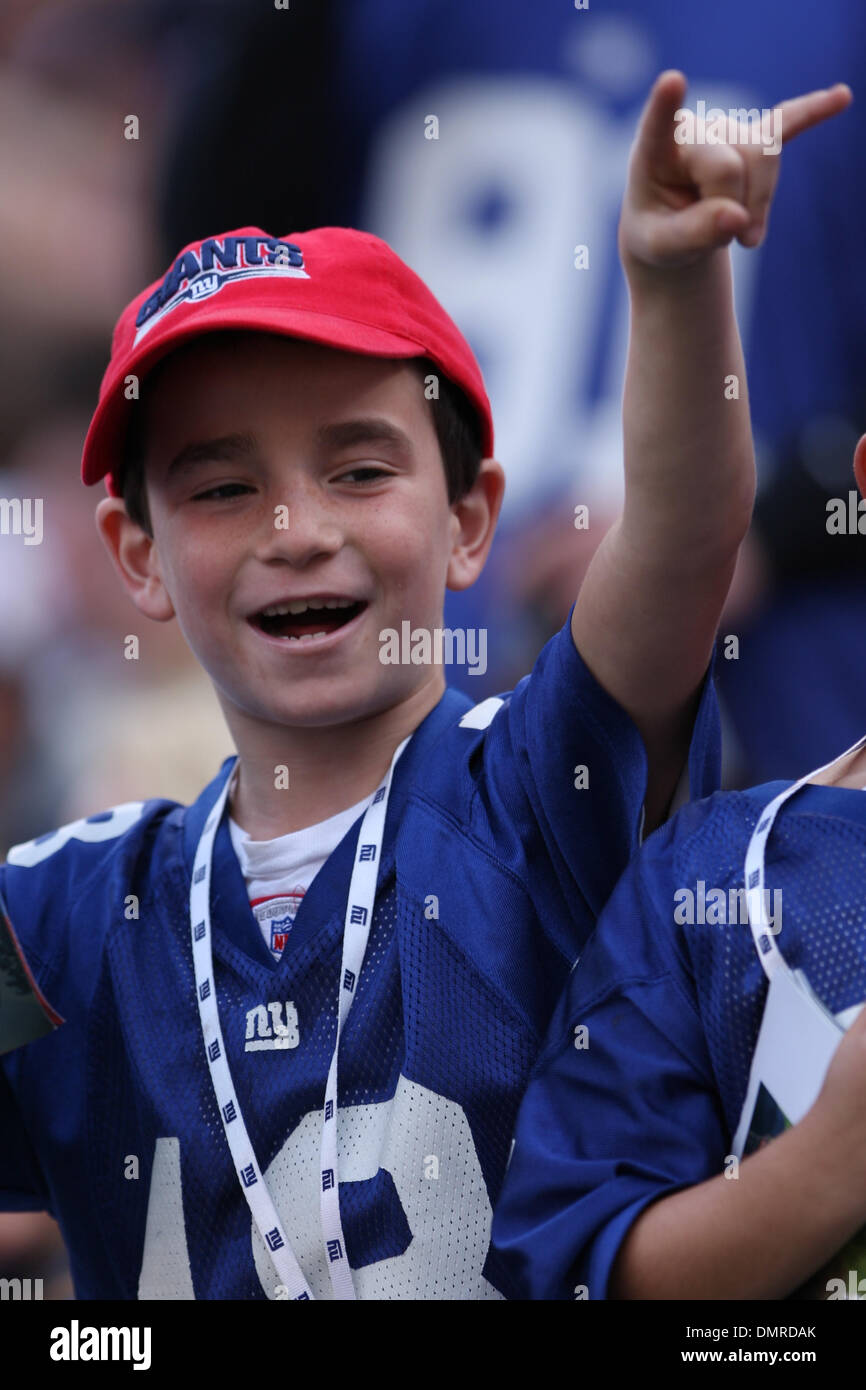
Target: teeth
307,637
277,610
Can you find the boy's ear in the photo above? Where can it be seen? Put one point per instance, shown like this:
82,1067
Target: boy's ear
860,464
133,554
474,518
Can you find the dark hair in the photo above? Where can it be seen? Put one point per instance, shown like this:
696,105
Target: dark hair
455,419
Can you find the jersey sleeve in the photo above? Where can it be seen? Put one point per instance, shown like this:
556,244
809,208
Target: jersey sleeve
566,765
61,892
621,1108
22,1186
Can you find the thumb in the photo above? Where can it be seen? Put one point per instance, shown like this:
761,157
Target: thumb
676,238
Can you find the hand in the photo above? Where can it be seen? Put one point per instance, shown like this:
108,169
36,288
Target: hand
683,201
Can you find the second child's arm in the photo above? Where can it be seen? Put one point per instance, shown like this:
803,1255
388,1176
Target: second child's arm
648,609
760,1235
617,1184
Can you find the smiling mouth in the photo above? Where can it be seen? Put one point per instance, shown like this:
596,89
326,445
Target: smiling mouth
312,621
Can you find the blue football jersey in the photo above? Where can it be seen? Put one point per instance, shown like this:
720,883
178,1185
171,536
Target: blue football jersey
494,866
640,1085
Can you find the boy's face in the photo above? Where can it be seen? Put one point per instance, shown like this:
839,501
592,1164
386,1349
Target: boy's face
243,435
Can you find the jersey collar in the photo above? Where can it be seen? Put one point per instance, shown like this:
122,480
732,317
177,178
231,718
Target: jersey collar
326,896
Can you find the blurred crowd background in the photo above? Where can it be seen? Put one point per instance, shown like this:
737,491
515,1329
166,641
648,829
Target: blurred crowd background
313,115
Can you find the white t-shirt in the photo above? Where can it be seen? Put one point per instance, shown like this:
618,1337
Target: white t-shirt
279,872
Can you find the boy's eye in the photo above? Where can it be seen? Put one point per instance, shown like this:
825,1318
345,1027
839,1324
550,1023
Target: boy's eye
221,490
365,473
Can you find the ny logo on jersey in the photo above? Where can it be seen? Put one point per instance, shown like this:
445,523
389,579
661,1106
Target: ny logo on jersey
266,1030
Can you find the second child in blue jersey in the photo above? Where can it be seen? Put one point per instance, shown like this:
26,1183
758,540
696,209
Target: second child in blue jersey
288,487
624,1181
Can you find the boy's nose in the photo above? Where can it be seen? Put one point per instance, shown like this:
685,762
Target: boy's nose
298,526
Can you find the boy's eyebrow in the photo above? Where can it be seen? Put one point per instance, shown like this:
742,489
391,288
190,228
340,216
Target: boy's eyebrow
222,450
228,447
367,429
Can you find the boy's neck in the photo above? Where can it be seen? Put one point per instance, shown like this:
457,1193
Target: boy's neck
848,771
329,768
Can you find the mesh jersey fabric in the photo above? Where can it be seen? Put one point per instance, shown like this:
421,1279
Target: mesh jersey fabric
493,869
649,1098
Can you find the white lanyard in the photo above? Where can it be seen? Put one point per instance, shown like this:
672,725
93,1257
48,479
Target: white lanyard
765,942
356,930
798,1035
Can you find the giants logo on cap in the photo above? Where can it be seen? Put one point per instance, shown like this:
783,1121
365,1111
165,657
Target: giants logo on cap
194,274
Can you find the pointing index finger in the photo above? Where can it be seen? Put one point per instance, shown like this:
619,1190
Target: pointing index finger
656,128
801,113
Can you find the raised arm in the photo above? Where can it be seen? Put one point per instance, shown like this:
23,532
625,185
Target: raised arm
648,609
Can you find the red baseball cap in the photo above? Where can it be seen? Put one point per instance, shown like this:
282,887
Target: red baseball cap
334,285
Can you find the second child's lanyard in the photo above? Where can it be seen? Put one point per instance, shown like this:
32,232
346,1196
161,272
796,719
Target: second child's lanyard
798,1035
770,956
356,930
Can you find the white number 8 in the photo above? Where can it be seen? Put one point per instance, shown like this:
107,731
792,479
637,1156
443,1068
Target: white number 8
449,1215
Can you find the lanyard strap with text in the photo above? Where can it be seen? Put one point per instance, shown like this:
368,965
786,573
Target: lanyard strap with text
356,930
762,933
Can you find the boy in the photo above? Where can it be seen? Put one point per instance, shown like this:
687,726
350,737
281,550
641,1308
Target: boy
625,1180
282,493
